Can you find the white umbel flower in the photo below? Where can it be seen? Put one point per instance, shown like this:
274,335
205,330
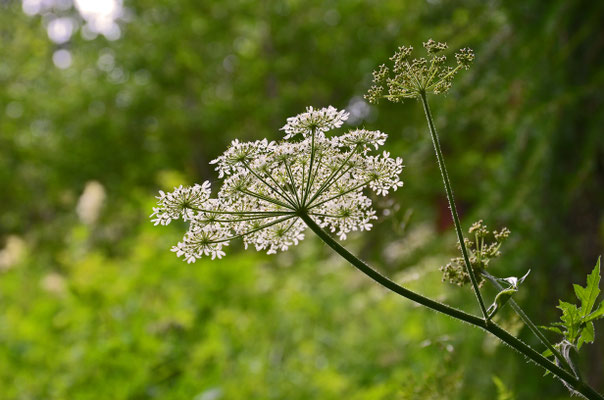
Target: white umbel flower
317,121
180,203
363,138
202,241
383,173
240,153
267,187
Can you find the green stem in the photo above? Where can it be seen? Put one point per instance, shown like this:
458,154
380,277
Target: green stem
449,191
530,324
488,326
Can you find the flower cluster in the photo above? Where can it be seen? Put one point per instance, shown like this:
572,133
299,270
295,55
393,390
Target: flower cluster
410,78
180,203
314,121
480,251
268,187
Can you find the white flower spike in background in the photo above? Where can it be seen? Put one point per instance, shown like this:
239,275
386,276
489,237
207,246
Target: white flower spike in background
269,188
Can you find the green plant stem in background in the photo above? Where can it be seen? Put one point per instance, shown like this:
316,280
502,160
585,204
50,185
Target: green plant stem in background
445,176
489,326
531,325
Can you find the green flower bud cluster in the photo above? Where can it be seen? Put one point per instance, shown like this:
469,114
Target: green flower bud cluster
484,247
409,78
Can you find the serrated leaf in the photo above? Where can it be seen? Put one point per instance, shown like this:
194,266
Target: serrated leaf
577,326
571,319
588,334
590,292
599,313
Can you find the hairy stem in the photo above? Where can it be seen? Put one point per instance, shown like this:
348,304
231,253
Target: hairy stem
449,191
488,326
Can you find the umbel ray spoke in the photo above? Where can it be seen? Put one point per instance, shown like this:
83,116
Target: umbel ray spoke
256,218
242,212
310,207
331,178
266,198
269,185
254,230
292,182
293,201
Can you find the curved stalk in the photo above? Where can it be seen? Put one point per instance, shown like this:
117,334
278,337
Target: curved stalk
450,198
488,326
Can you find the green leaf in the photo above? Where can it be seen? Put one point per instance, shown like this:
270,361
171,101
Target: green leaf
587,334
547,353
505,294
577,326
589,293
551,328
500,300
599,313
571,319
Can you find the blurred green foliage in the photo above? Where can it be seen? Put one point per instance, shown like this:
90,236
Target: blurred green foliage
101,309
